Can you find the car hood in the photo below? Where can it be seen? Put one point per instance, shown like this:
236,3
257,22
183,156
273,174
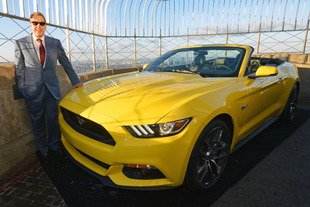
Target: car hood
141,97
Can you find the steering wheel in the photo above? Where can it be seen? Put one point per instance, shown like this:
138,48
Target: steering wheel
222,67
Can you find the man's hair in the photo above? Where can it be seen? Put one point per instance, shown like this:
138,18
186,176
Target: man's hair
34,14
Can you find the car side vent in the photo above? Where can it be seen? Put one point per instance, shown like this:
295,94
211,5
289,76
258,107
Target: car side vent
87,127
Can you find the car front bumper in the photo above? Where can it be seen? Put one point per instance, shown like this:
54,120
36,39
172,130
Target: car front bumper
169,155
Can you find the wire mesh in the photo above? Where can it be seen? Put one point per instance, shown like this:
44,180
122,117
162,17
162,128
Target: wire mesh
81,51
273,42
121,52
99,34
208,39
245,39
8,36
147,50
169,43
100,52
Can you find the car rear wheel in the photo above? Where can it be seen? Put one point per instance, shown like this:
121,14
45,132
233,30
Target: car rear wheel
290,107
209,156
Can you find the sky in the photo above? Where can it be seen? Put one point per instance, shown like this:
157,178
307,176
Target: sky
166,17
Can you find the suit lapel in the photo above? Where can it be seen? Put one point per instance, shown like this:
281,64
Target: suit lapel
47,48
32,50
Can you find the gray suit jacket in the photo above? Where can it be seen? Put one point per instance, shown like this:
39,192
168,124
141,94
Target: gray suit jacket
31,76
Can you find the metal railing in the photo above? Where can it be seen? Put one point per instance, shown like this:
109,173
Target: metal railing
102,34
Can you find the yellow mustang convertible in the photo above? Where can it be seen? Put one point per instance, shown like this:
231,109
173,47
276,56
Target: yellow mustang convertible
178,120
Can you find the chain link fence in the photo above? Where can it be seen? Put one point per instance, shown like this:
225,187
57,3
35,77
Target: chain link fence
95,39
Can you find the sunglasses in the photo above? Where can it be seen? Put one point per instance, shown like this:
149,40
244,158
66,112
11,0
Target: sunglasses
40,23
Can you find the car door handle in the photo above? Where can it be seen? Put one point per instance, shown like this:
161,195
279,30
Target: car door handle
280,79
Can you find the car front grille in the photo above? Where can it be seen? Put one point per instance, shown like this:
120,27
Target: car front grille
87,127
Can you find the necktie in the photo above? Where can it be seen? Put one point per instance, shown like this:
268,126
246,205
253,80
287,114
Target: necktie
42,51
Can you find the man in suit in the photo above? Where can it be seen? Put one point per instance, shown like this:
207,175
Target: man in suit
35,65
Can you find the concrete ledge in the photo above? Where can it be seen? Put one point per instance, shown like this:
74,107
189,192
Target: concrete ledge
308,59
293,57
267,55
281,56
90,75
297,58
298,65
7,76
107,72
126,70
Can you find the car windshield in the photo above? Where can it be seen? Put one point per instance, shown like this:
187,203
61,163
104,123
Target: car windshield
206,61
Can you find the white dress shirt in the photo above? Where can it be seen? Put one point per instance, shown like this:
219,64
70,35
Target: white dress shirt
37,45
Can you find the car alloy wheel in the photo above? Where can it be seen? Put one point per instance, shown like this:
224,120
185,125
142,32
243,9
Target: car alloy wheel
290,107
293,103
209,156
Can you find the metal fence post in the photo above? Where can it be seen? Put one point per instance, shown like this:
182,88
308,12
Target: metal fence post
68,44
306,37
106,53
160,42
258,42
67,29
94,52
135,49
227,36
258,37
187,40
5,6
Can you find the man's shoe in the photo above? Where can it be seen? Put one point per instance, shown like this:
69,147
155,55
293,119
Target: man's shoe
43,158
55,154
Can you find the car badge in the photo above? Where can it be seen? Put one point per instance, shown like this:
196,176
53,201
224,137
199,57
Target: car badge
81,120
244,106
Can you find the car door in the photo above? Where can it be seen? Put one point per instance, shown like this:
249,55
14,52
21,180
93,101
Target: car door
258,102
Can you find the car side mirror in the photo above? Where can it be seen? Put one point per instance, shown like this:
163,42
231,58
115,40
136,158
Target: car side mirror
145,66
264,71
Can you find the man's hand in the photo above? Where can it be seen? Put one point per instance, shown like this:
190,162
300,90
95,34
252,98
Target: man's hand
80,84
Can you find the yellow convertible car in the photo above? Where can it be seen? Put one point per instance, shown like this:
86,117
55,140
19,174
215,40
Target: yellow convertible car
178,120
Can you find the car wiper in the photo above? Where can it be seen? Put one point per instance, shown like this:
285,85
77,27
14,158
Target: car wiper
179,71
176,71
184,71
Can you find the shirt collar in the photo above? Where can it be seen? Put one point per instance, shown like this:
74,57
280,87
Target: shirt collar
35,38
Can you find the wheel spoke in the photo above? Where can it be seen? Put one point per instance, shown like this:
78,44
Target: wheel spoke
217,166
221,156
215,137
212,175
219,135
203,170
221,146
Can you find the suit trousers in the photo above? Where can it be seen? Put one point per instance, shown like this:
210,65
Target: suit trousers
44,119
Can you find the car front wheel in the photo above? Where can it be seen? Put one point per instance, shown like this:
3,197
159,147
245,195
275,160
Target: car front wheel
209,156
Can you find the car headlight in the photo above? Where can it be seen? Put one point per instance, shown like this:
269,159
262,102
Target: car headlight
157,130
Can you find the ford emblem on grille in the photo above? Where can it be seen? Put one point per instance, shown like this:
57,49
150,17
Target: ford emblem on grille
81,120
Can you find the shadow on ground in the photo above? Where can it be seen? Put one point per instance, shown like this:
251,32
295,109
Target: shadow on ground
78,188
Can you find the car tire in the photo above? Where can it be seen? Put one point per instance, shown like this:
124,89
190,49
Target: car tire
290,107
209,156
